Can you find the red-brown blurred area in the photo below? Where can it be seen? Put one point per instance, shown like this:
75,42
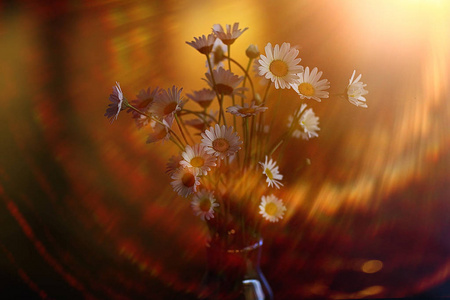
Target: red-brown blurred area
87,211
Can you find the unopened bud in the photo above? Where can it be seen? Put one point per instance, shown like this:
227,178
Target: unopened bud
257,99
252,51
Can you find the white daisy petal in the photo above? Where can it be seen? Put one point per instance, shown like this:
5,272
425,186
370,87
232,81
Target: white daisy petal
197,158
220,141
185,181
310,87
203,204
272,208
271,171
356,90
280,65
308,124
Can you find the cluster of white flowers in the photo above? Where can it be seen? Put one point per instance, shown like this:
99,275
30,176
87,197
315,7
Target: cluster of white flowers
213,157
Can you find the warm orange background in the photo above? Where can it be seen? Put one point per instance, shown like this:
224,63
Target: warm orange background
86,210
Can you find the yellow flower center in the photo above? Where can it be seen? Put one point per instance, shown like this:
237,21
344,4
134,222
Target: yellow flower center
170,108
268,173
220,145
197,162
278,68
306,89
271,209
188,180
204,204
247,110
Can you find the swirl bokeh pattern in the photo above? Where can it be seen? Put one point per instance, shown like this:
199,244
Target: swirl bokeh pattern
87,211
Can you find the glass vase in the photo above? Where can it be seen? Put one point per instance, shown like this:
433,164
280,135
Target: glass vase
233,272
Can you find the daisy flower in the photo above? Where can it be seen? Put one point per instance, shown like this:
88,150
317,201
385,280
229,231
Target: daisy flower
142,103
221,141
226,82
246,110
203,97
280,65
217,55
173,164
272,208
255,68
185,181
197,158
160,132
143,100
270,169
230,35
310,85
144,120
202,124
355,91
203,44
203,204
308,122
167,104
118,103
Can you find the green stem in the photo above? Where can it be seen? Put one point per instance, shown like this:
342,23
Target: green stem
201,114
215,87
245,78
186,130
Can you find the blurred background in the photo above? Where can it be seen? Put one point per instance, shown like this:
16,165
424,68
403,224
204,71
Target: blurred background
86,210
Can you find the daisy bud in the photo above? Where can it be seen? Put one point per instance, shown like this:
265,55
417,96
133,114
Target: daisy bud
257,99
252,51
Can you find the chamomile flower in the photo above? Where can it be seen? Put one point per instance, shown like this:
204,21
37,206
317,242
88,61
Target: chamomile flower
144,120
221,141
272,208
143,103
197,158
203,204
118,103
160,132
185,181
355,91
246,110
167,104
230,35
270,169
308,123
310,85
143,100
217,55
173,164
226,82
202,123
203,97
203,44
280,65
262,79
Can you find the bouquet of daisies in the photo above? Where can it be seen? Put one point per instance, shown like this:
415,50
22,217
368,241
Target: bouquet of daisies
227,163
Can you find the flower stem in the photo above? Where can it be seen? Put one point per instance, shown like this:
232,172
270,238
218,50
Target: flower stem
187,131
181,129
245,78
